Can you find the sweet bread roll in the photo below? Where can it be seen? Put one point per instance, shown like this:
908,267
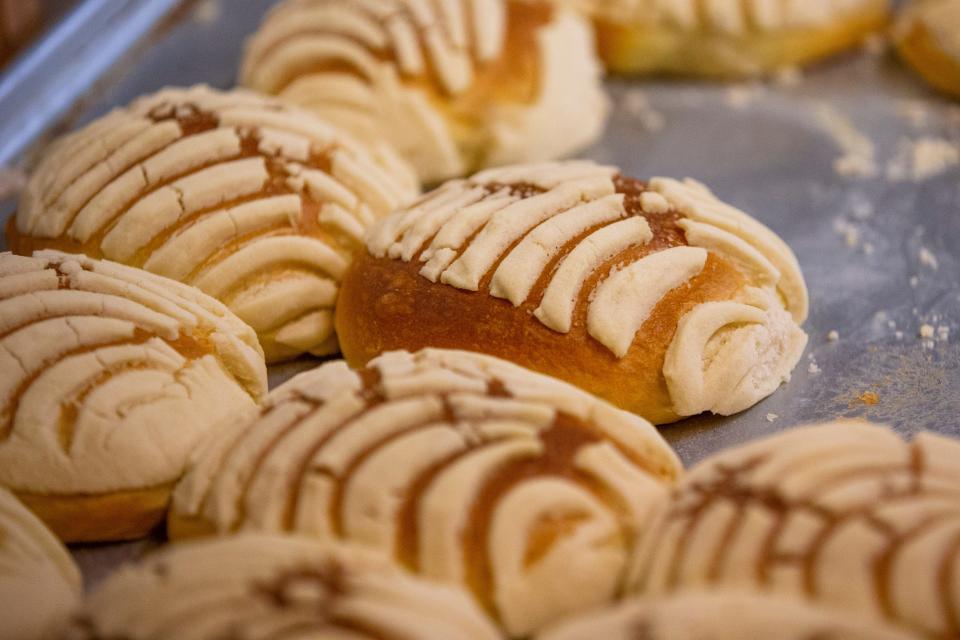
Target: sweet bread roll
455,85
109,377
927,35
464,468
721,616
39,583
845,514
655,296
258,204
728,38
277,587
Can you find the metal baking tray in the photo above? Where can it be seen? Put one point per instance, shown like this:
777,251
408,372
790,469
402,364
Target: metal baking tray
842,161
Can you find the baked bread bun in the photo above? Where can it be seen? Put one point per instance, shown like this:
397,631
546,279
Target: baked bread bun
39,583
721,616
109,377
655,296
277,587
455,86
845,514
258,204
464,468
927,35
728,38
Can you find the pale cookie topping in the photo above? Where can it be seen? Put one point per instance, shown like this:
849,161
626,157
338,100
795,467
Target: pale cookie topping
109,375
39,583
455,85
722,615
846,515
465,468
728,17
536,234
278,587
256,203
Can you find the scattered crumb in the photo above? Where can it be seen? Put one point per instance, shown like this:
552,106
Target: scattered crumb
928,259
637,104
916,112
926,331
914,281
741,96
813,368
790,76
922,159
943,333
868,248
899,335
772,417
869,398
833,336
859,154
850,234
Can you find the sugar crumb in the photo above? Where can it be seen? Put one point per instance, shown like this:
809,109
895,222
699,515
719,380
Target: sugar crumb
928,259
772,417
926,331
833,336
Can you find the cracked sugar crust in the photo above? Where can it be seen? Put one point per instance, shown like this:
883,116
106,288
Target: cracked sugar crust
722,615
273,586
464,468
111,375
727,38
693,300
846,515
256,203
454,85
40,583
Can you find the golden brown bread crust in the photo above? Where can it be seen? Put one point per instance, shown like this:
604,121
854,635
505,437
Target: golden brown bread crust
386,305
121,515
656,297
636,47
920,47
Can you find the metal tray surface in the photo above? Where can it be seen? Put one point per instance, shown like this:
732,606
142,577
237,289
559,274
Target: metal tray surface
880,249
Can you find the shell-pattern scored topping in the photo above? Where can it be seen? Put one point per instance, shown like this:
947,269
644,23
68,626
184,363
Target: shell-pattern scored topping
729,17
255,203
278,587
110,375
846,514
722,616
535,235
465,468
39,583
453,84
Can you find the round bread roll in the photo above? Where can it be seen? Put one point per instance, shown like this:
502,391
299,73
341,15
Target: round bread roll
655,296
927,35
455,86
39,583
277,587
845,514
721,616
258,204
464,468
109,377
728,38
